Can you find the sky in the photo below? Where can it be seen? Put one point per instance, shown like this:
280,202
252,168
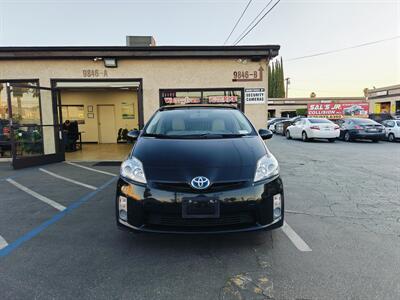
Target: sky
300,27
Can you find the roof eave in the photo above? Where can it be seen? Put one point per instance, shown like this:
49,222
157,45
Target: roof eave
253,52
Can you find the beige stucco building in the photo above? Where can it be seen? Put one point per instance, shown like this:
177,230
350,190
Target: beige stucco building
106,89
385,100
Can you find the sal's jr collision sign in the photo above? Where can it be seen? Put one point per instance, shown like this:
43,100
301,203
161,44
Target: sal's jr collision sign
254,96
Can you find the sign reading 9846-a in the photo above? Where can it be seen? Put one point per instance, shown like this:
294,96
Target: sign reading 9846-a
254,96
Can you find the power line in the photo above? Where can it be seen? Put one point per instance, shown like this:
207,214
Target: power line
251,23
343,49
276,3
237,22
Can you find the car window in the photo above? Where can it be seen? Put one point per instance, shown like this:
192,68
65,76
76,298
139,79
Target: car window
298,122
199,122
389,123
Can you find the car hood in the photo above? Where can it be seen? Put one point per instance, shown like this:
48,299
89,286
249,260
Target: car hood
178,160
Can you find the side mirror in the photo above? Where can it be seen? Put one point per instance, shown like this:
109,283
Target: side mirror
265,134
133,134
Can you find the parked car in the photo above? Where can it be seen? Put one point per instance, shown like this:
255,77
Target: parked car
380,117
313,128
281,126
353,129
199,169
392,129
271,123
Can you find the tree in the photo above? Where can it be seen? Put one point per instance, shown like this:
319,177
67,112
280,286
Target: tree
276,81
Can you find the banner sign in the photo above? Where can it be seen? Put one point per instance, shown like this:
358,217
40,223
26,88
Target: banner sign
181,100
338,110
254,96
222,99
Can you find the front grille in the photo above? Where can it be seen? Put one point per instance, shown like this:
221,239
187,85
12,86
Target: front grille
185,187
178,221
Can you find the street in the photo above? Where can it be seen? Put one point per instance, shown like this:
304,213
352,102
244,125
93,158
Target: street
58,237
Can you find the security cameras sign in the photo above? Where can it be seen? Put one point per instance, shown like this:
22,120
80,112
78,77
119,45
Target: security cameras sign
254,96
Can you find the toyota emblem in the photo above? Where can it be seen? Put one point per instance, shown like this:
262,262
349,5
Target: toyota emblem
200,183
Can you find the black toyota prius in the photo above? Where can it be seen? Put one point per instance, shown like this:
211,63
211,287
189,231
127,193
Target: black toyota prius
199,169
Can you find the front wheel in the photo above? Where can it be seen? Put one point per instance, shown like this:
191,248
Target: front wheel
347,137
288,135
304,136
331,140
391,137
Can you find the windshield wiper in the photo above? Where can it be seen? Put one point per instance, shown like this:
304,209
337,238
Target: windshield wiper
156,135
210,135
196,136
229,135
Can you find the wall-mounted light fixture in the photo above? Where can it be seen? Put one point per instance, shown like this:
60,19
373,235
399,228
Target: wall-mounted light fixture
110,62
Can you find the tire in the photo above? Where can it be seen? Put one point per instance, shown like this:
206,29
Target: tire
347,136
288,135
375,141
304,136
331,140
391,137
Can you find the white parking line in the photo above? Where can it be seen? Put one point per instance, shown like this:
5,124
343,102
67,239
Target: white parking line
295,238
3,243
69,179
36,195
90,169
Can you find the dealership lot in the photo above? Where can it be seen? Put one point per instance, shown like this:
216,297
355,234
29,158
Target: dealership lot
343,238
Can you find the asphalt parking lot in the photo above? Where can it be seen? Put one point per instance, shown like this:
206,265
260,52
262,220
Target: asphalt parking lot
58,237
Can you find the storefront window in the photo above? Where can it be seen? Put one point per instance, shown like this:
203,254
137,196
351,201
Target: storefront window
25,103
74,113
25,114
5,143
208,96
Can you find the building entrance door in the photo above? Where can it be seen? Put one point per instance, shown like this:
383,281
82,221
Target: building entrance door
35,133
106,124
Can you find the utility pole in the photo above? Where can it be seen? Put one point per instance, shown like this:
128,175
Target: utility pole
287,86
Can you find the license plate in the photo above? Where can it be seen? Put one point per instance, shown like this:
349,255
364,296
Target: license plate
200,207
372,130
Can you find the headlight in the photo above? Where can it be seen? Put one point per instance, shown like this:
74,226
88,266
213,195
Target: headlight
132,168
267,166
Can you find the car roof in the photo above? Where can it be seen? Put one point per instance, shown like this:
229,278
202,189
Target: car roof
191,106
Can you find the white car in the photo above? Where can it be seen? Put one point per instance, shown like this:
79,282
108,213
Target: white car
313,128
392,128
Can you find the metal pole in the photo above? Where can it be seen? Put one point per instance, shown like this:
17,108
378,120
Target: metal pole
287,87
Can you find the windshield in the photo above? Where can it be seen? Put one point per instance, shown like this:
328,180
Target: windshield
365,121
199,122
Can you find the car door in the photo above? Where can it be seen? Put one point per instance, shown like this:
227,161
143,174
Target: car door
397,129
389,127
297,129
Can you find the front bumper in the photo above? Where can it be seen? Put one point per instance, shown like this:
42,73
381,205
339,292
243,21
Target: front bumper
246,209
